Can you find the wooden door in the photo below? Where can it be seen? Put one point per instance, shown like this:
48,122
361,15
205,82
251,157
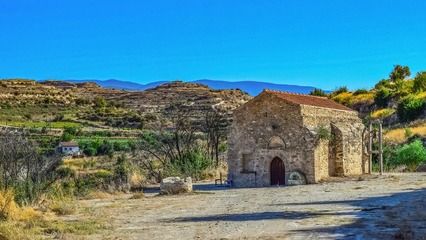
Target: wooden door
277,172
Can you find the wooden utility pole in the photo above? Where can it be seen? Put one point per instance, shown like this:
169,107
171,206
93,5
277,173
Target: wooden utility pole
370,146
381,147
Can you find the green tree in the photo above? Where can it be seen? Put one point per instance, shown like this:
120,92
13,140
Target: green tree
410,108
122,170
399,73
411,154
420,82
67,137
71,130
90,151
382,97
318,92
340,90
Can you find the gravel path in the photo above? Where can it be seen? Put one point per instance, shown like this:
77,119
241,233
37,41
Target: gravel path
385,207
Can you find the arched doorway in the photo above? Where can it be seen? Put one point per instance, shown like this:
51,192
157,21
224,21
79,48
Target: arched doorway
277,171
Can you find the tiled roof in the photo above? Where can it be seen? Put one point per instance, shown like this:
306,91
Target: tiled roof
310,100
68,144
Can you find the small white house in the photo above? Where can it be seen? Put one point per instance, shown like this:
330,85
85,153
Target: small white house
69,148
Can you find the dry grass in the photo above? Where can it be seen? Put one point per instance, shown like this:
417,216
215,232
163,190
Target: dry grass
382,113
348,98
79,163
399,135
9,210
343,98
136,180
365,98
138,195
63,207
98,195
26,223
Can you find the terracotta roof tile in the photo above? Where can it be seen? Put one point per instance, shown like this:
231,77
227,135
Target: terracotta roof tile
310,100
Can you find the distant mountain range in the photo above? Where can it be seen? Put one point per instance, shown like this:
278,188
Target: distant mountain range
251,87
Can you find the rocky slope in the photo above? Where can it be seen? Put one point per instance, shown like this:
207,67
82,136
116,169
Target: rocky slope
196,98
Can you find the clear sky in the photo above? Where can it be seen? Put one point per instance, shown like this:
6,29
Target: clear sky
319,43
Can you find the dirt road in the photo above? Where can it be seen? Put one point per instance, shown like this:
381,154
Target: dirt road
387,207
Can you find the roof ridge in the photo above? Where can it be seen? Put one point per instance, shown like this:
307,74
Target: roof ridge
293,93
311,100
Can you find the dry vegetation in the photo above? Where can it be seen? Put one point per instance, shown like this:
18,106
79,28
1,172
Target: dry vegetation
43,220
400,135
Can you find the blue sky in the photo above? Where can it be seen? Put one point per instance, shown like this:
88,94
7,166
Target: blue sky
306,42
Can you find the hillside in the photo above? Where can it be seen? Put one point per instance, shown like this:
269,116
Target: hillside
398,101
28,101
253,88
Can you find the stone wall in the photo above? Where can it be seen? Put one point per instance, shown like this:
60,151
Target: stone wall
322,160
347,146
267,127
263,131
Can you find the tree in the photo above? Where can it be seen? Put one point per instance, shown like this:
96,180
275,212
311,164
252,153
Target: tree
339,90
22,167
184,146
318,92
168,146
382,97
420,82
214,127
100,102
411,155
399,73
410,108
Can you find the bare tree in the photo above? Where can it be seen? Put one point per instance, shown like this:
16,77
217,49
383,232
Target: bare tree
169,143
20,163
215,128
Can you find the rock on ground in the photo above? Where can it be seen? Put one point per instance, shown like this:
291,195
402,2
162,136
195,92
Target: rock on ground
175,185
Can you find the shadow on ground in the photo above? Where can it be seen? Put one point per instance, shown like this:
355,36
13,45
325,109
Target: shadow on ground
196,187
397,216
241,217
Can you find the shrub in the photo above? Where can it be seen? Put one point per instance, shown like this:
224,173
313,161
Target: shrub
323,133
99,102
9,209
382,113
82,101
66,172
410,108
122,170
382,97
67,137
343,98
411,155
63,207
360,91
71,130
106,148
192,163
408,132
104,174
90,151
